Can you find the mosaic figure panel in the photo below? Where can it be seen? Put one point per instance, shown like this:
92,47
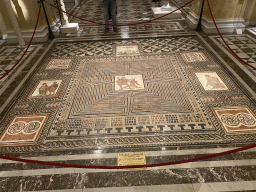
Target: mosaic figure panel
129,82
46,88
127,50
59,64
211,81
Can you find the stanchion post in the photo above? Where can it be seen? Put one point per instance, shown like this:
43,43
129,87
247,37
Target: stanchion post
199,26
50,35
59,11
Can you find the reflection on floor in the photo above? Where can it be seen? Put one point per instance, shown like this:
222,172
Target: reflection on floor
171,95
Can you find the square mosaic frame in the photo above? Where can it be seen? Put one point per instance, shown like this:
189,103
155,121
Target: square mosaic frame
237,120
47,87
23,130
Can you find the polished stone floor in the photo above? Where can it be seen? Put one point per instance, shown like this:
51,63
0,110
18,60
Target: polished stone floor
157,88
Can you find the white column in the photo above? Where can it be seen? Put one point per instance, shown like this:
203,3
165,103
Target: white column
14,22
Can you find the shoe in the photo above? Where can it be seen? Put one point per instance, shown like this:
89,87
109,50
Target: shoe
115,29
106,30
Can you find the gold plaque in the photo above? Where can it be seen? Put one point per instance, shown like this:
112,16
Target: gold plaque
124,159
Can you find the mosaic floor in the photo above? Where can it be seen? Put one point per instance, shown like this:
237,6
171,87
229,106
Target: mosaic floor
128,93
244,46
156,89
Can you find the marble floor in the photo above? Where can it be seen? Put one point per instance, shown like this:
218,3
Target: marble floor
158,89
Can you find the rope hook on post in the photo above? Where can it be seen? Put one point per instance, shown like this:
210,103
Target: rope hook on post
50,35
199,26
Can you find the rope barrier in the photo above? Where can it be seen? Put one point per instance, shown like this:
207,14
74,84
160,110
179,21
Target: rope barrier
133,166
26,48
128,167
123,24
225,41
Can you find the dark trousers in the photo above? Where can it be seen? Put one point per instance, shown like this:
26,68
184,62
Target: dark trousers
109,5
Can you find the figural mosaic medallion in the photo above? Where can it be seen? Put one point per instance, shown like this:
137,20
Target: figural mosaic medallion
129,82
46,88
131,50
211,81
59,64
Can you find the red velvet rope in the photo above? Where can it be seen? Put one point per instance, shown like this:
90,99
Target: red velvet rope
26,48
128,167
133,166
124,24
225,41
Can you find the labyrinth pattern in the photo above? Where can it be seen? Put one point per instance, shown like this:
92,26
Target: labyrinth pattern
127,97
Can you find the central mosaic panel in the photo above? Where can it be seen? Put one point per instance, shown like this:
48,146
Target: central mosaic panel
119,96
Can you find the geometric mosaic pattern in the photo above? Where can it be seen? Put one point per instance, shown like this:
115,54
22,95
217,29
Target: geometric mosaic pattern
161,96
106,48
126,13
237,119
8,57
243,45
148,28
23,130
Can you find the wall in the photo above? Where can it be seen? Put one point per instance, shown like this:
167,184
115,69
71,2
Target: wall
26,12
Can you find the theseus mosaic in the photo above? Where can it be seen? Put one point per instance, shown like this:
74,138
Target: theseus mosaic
146,99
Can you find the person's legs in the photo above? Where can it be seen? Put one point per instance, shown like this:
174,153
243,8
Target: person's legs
105,4
113,13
